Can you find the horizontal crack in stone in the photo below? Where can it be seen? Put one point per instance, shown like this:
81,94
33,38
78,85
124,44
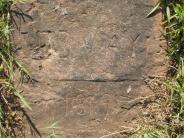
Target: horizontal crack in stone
98,80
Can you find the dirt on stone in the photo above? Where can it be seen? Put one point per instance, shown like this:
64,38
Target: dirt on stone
89,60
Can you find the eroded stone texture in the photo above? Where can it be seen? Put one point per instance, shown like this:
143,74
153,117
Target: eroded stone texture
89,59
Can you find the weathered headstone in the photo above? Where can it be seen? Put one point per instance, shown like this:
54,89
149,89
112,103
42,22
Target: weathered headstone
89,59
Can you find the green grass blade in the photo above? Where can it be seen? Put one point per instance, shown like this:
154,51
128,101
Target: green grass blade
157,6
23,100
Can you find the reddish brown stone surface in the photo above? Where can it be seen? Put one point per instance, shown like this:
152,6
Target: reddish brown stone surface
89,60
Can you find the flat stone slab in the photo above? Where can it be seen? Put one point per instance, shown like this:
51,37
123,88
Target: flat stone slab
88,40
86,109
89,59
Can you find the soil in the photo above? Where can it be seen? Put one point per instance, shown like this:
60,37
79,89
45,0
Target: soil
89,60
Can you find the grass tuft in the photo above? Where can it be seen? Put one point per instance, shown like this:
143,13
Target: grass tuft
11,100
